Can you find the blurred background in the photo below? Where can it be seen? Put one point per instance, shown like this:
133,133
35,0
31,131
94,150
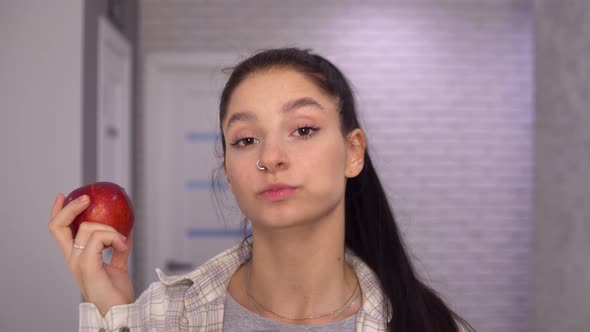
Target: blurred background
476,114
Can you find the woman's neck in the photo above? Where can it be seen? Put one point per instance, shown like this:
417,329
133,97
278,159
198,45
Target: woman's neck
301,271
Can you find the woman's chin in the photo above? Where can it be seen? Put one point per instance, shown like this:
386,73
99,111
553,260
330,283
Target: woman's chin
279,221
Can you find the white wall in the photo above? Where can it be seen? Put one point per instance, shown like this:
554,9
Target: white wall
40,151
445,91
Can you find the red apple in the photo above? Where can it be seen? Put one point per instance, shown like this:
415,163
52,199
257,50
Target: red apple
109,205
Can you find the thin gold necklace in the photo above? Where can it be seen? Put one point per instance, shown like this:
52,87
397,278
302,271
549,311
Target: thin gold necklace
344,308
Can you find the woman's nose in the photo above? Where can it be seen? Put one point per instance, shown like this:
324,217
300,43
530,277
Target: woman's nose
273,155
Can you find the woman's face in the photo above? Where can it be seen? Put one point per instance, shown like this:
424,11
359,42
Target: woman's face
280,117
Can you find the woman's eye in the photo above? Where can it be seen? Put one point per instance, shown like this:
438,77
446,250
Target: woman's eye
306,132
241,142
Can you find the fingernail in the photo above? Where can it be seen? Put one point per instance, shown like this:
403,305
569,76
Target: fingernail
82,199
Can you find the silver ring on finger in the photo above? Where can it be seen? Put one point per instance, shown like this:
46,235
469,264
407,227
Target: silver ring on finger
77,246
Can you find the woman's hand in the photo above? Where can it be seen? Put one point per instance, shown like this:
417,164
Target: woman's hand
105,285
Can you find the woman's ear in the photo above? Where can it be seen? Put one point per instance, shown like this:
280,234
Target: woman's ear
355,152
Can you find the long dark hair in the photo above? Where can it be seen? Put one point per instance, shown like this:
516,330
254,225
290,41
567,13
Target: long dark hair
370,227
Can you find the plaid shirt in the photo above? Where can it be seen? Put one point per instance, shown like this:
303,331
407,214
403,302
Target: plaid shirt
195,301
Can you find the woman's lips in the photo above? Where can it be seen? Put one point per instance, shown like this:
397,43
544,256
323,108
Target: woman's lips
278,194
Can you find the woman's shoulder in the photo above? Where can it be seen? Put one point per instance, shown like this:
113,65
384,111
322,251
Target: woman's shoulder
205,283
160,302
220,267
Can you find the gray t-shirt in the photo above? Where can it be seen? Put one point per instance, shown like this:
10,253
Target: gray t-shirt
238,319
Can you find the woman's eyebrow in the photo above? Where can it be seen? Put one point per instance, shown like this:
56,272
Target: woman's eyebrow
241,116
302,102
287,107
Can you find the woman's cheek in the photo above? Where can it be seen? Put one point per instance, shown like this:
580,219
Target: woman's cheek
242,182
233,176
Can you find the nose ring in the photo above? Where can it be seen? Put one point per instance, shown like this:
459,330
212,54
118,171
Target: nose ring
262,168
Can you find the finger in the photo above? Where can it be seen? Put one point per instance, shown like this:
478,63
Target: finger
84,232
58,204
68,213
58,226
87,228
120,257
91,256
129,241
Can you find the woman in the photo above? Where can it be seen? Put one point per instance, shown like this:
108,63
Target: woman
325,252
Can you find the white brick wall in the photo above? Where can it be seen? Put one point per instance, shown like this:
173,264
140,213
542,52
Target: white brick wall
444,91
